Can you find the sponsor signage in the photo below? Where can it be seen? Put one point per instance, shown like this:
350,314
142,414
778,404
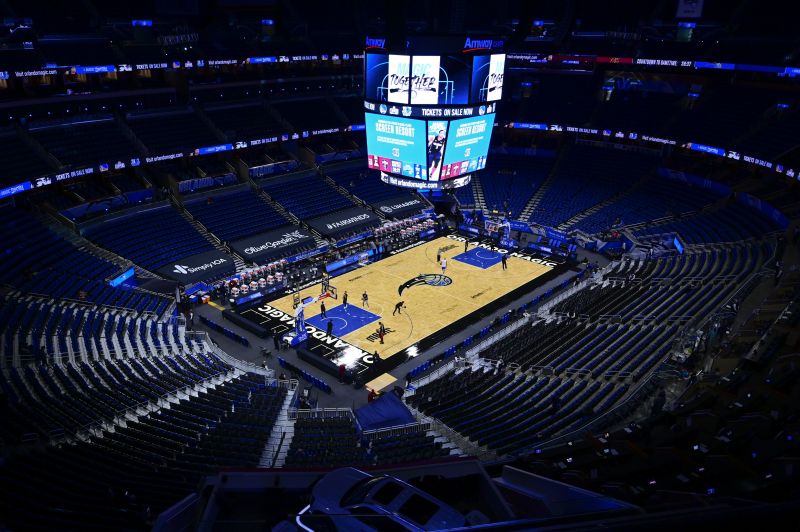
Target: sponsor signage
329,348
354,238
465,111
200,267
346,220
16,189
425,185
397,206
121,278
270,244
347,261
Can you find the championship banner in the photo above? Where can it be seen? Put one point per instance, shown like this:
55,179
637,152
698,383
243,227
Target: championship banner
264,246
341,221
200,267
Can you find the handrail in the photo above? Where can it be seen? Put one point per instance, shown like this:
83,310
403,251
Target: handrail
552,442
414,426
323,413
88,304
152,405
496,337
231,360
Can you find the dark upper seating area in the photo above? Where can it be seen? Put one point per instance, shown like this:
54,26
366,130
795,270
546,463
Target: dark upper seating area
653,199
323,442
135,471
507,412
20,161
587,176
172,132
509,182
365,185
730,437
235,215
306,115
353,109
151,238
245,122
85,143
730,223
59,269
305,196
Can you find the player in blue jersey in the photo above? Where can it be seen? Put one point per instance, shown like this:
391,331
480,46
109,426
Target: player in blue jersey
435,150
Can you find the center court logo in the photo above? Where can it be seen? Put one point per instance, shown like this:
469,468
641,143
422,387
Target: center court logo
431,279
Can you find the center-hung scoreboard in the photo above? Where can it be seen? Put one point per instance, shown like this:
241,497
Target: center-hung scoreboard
429,117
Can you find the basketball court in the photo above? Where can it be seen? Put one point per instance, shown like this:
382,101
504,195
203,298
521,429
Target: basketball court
433,300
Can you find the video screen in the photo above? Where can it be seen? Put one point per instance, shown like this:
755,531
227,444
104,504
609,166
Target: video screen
437,138
398,79
487,78
454,80
376,69
467,145
424,81
396,145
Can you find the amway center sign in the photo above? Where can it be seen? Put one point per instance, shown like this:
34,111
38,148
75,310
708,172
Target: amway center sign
265,246
208,265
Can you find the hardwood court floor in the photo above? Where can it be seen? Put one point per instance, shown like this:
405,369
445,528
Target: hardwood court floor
428,308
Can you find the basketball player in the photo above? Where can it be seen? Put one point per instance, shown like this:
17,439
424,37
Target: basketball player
398,308
365,299
322,310
435,147
344,300
444,265
504,260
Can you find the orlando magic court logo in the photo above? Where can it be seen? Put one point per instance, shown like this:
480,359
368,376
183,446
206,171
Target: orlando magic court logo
431,279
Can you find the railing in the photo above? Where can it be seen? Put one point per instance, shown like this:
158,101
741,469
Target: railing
243,365
544,308
588,426
578,372
87,304
320,413
398,430
150,406
455,437
496,337
455,362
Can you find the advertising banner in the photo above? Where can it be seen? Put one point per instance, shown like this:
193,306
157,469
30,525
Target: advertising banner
264,246
200,267
346,220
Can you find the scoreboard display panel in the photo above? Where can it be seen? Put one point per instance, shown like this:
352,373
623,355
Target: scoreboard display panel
396,145
430,117
467,145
